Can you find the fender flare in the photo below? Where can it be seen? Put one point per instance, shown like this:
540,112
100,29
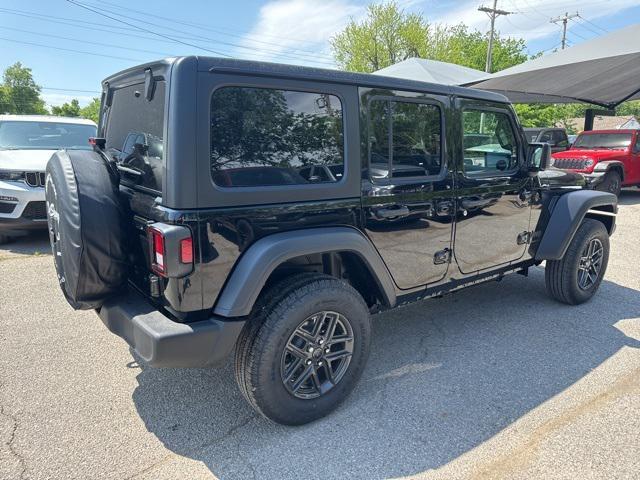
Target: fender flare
605,166
567,215
258,262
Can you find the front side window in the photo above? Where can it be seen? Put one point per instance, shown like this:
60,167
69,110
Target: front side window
489,142
134,133
560,139
262,137
17,135
404,140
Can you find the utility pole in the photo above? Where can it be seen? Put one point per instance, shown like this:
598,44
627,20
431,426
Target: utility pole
493,14
564,21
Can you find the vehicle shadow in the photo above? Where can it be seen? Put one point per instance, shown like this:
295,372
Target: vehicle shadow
444,376
629,196
35,243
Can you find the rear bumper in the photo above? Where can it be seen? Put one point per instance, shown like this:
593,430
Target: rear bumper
161,342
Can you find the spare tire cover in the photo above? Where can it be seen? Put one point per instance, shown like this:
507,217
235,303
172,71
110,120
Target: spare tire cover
86,227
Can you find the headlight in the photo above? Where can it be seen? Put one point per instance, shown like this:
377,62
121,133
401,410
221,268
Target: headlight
11,175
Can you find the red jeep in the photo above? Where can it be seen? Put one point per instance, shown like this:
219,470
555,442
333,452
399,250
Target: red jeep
609,159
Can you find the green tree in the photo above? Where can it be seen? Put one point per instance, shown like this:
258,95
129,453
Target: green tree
19,93
91,111
71,109
389,35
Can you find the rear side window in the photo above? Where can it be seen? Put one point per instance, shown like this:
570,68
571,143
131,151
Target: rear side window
134,133
262,137
405,139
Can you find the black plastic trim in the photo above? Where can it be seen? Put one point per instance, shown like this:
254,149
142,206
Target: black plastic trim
161,342
261,259
568,213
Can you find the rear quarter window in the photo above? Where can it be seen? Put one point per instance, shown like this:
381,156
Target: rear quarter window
265,137
135,132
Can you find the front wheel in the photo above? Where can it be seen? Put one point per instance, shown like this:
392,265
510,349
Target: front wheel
304,350
575,278
612,183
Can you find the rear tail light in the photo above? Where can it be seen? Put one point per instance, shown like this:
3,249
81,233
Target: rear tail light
186,250
170,249
158,251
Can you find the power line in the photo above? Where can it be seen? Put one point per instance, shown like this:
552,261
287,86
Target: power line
93,54
83,24
86,41
564,21
124,31
70,90
73,2
493,13
594,24
313,55
218,30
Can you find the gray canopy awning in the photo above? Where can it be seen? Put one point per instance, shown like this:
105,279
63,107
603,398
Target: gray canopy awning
432,71
604,71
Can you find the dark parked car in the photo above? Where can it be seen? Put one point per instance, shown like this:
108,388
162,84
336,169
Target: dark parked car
242,245
557,138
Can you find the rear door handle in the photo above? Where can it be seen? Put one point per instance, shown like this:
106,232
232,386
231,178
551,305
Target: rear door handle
397,212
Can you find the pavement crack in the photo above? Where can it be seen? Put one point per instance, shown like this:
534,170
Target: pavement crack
12,437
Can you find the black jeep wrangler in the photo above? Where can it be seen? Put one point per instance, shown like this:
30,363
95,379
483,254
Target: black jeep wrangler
271,209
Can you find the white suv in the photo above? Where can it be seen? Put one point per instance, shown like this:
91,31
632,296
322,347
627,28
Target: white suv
26,144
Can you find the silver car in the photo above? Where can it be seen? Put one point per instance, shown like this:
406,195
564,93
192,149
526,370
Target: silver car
26,144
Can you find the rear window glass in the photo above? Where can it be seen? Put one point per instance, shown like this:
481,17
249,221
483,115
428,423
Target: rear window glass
603,140
134,133
45,136
405,139
263,137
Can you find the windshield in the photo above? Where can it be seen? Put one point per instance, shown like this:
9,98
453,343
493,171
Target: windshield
45,136
613,141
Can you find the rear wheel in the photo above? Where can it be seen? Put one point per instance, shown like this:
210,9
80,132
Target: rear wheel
304,349
576,277
611,183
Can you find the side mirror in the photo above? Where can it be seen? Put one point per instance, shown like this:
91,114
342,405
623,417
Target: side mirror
539,157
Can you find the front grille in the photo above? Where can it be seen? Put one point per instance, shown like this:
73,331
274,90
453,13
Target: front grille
570,163
7,207
35,211
35,179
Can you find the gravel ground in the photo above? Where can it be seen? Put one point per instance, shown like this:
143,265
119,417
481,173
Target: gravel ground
497,381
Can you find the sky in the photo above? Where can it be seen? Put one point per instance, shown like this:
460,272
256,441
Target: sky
71,45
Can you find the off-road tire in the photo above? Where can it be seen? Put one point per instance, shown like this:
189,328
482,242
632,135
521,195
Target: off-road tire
561,276
260,347
612,183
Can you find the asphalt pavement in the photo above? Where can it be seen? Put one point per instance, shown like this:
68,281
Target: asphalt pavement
496,381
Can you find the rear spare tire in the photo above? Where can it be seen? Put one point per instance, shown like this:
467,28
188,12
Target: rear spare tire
86,229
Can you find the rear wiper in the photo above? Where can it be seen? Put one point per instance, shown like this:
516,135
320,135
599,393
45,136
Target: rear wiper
137,174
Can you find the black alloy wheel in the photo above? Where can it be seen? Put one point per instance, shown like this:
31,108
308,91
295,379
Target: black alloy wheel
590,264
317,355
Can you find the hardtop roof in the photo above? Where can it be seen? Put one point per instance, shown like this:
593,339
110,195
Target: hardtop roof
251,67
610,130
46,118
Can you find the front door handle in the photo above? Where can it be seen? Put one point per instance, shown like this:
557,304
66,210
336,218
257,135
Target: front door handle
395,212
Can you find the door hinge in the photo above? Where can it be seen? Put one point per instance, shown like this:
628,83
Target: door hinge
442,256
523,238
